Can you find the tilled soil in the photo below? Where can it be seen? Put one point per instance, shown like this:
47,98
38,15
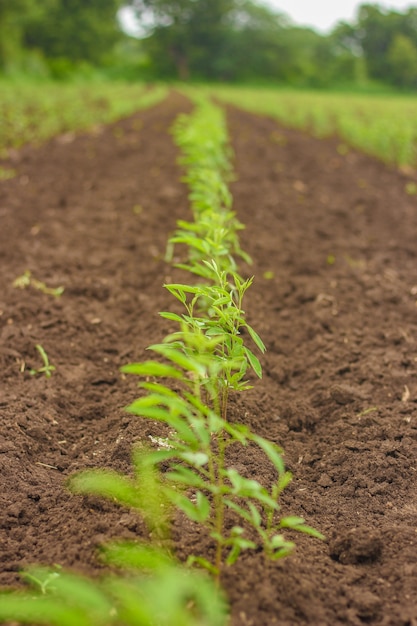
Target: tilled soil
333,242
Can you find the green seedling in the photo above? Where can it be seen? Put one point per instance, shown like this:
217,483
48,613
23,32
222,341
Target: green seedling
199,477
43,583
147,586
47,368
216,311
187,388
155,590
27,280
372,409
202,138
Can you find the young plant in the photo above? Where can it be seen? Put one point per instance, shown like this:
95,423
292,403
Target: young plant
47,368
152,590
148,587
27,280
202,138
216,311
199,476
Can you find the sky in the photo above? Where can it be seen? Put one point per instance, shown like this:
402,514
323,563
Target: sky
324,14
320,14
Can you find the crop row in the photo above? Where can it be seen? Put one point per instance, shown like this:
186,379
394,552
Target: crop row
31,113
382,126
187,387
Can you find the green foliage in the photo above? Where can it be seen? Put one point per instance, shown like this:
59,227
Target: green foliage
61,31
143,491
215,40
186,389
213,235
187,386
29,113
387,40
156,591
402,60
199,479
382,126
229,40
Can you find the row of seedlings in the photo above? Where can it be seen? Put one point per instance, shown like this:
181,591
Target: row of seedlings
187,387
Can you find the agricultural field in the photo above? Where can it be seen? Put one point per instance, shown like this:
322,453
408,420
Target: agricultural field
32,113
324,338
384,126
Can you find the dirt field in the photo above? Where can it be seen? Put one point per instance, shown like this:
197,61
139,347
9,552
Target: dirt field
339,317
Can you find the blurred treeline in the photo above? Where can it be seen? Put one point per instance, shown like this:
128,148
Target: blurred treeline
205,40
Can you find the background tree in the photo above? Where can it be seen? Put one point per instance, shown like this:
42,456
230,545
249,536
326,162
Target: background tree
211,39
14,19
402,61
75,30
387,40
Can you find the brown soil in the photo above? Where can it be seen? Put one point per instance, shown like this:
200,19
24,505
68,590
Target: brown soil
339,317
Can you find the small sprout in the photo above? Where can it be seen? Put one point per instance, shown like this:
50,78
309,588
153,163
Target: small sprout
372,409
26,280
44,586
47,368
137,209
21,282
268,275
331,259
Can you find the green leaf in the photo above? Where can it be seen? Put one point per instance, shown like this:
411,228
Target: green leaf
197,513
171,316
273,452
26,609
152,368
283,482
234,554
238,543
254,361
179,358
106,483
238,432
256,516
197,459
129,554
256,338
281,547
186,476
159,389
298,523
204,563
244,514
182,288
177,422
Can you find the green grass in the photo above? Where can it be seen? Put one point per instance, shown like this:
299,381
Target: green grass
384,126
34,112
